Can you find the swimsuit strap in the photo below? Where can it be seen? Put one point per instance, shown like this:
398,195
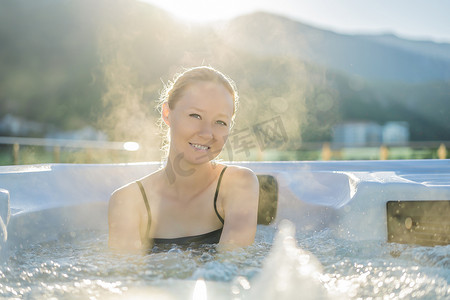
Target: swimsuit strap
144,195
147,206
217,193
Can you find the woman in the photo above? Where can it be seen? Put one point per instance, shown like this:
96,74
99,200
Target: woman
192,200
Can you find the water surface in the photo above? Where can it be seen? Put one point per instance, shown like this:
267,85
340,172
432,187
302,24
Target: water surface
80,265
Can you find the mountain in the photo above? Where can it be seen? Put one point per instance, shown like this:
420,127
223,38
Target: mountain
379,78
73,63
383,57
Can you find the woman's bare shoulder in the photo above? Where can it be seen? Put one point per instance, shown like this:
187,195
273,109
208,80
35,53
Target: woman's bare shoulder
125,196
239,173
240,205
131,190
238,179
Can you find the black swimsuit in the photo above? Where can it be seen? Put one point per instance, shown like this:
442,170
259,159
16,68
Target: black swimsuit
212,237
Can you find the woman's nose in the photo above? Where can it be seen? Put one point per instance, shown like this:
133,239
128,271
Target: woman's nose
206,131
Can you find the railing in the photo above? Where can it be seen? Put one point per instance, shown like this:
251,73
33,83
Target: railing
321,150
333,150
57,144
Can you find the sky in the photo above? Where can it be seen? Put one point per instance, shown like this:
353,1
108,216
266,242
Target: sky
411,19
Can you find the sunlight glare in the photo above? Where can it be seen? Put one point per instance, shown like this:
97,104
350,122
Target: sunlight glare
198,11
131,146
199,290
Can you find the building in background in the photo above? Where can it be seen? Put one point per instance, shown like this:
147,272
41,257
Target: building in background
365,133
396,133
15,126
354,134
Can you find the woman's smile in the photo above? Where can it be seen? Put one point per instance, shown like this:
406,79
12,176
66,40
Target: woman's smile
200,147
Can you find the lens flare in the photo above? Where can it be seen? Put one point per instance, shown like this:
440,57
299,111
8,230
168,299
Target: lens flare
199,290
131,146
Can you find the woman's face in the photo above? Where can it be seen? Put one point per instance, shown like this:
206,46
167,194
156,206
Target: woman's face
200,122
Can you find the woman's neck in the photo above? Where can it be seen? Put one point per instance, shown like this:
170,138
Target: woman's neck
181,175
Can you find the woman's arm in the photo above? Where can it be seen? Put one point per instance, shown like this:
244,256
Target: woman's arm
124,220
240,206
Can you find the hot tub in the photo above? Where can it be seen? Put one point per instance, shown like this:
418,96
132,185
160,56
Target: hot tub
329,238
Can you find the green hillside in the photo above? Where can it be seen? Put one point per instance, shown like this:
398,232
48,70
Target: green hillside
74,63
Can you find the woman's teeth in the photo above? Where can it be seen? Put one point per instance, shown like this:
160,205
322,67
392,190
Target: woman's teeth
200,147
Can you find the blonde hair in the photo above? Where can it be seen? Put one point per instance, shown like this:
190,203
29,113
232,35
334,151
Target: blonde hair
174,90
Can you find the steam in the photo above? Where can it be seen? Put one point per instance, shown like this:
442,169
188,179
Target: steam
141,47
128,116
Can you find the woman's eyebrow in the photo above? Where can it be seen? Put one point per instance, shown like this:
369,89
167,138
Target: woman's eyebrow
202,110
222,115
196,108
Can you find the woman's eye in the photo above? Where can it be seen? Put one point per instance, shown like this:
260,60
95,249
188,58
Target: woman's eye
222,123
197,116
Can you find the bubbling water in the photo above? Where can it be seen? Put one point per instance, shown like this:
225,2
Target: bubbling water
281,264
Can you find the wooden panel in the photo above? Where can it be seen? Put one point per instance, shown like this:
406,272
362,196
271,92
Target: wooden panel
268,199
424,223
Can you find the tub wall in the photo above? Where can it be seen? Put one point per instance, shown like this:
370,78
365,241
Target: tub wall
44,201
4,216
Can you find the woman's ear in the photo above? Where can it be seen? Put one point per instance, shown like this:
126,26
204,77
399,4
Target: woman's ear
165,113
